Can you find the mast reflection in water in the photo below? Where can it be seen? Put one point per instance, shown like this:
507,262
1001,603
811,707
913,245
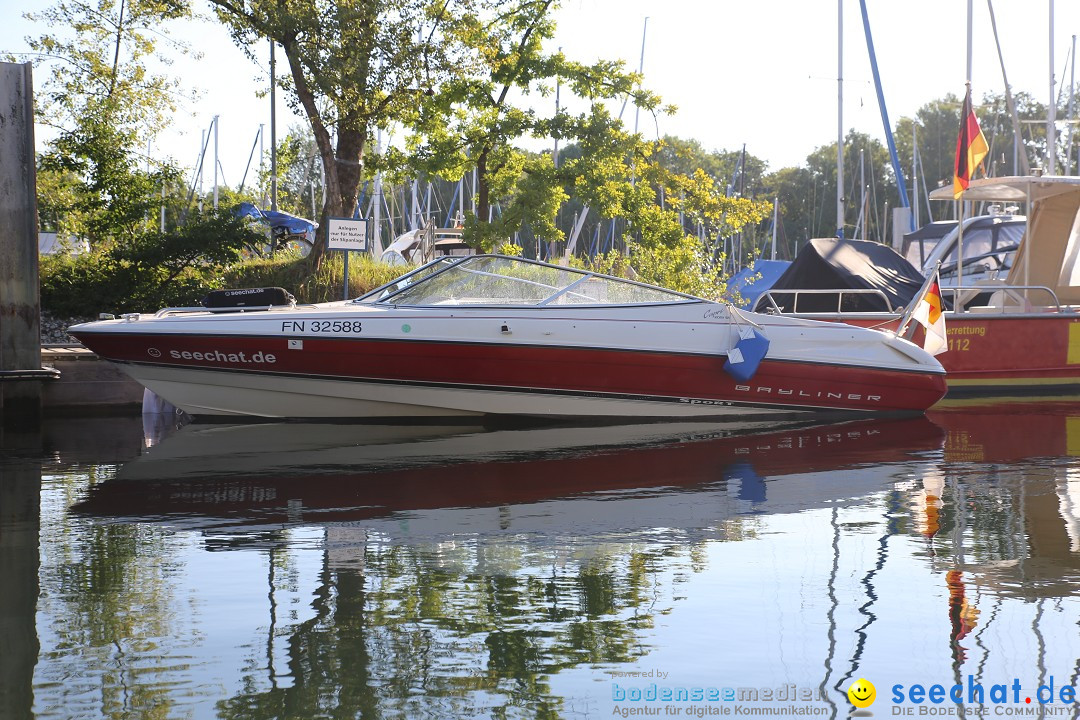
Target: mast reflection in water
307,570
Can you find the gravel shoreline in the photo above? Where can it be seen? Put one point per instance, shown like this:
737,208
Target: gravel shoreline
54,330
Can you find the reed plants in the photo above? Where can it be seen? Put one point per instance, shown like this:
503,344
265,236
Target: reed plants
294,273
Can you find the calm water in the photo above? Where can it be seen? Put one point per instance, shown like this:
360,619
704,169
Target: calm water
682,570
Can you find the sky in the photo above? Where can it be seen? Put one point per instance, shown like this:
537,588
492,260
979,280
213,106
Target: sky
757,72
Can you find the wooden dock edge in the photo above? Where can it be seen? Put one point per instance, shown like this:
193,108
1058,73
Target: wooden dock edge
87,384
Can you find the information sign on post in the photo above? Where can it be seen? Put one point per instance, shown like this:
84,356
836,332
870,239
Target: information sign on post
347,234
350,235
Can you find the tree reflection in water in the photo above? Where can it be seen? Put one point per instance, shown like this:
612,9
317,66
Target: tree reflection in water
287,572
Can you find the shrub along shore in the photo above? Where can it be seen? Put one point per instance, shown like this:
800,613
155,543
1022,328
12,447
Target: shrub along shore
79,288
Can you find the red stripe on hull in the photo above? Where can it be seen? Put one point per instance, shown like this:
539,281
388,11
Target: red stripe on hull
580,370
1003,347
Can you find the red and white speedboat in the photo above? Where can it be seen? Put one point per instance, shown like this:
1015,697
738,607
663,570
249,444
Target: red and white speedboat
505,336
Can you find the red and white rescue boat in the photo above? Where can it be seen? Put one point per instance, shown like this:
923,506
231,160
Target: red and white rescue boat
1013,327
494,335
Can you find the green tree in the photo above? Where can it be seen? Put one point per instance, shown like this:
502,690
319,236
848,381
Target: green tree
936,125
93,185
104,102
807,195
300,176
934,128
100,71
797,191
996,125
738,172
874,164
150,270
353,66
476,119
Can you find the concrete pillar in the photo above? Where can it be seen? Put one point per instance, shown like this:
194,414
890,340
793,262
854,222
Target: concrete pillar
20,528
20,340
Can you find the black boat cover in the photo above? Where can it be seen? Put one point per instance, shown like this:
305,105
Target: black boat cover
839,264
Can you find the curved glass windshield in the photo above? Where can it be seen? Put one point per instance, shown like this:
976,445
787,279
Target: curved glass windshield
991,244
496,280
404,281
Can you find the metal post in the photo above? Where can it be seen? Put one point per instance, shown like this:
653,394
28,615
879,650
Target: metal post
970,35
1051,118
20,324
1072,93
216,161
202,167
262,183
840,118
461,196
377,199
346,254
273,129
775,216
862,193
641,70
915,171
555,151
414,207
1020,159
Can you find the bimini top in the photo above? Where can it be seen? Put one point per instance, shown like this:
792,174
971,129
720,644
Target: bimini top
502,280
1012,188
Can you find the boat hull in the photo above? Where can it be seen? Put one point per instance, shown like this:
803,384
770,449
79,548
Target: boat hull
1002,354
273,377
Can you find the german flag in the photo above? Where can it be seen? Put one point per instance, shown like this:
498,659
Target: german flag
971,148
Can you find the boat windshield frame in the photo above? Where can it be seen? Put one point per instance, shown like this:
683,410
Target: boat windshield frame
378,296
950,241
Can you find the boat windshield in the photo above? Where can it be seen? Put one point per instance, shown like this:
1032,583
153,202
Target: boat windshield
498,280
989,242
405,280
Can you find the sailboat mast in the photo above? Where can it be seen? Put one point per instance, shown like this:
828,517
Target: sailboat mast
775,217
1069,128
915,171
1023,168
840,118
1051,118
641,69
862,194
1069,122
970,36
273,128
960,224
901,184
216,163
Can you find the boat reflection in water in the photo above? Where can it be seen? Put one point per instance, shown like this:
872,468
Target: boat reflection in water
452,479
305,570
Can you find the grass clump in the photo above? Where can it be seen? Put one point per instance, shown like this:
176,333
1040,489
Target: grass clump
294,274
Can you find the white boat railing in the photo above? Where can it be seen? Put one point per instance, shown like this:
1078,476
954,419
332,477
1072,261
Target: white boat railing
1003,298
771,295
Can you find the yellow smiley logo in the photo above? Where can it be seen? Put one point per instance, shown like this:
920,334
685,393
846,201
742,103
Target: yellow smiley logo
862,693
